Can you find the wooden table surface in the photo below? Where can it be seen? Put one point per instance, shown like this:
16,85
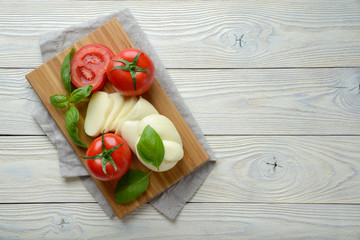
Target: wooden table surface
273,84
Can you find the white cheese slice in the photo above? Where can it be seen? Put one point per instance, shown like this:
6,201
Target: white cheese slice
118,100
126,108
100,106
141,109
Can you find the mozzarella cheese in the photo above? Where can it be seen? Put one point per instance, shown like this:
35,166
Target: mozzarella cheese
126,108
173,151
118,102
131,132
140,110
99,108
163,126
128,117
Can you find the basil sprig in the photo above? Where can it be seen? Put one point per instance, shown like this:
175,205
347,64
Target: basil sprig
150,147
67,101
131,185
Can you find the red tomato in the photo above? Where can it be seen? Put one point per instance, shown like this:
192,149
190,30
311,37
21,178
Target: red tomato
131,72
106,162
89,65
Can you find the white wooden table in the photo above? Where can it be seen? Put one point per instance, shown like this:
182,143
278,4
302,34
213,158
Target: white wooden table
273,84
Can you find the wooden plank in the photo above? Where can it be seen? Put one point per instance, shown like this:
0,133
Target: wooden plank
232,101
309,170
18,100
215,221
30,173
285,34
46,81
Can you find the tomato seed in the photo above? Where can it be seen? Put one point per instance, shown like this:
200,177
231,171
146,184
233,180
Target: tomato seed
93,59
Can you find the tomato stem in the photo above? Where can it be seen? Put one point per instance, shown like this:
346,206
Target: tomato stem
131,67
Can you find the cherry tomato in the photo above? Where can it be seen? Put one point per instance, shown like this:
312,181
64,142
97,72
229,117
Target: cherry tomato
108,157
131,72
89,65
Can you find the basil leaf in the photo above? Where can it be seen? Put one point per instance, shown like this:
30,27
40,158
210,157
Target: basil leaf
131,185
150,147
71,119
65,71
80,93
59,101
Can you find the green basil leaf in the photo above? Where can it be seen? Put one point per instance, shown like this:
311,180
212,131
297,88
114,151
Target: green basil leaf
85,99
131,185
59,101
150,147
71,119
80,93
65,71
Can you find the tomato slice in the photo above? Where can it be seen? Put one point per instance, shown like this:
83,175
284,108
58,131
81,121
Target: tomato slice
89,65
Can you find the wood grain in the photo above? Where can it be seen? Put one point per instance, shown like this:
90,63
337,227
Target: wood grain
215,221
35,203
285,34
317,169
232,101
309,169
46,82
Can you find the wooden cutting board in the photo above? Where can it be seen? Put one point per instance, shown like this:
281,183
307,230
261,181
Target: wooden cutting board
46,81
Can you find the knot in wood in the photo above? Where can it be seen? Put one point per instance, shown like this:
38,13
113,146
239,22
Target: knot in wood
273,166
236,38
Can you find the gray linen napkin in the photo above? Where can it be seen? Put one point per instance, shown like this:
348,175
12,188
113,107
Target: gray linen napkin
170,202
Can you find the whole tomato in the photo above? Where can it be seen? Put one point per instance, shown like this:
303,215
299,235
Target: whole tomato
131,72
108,157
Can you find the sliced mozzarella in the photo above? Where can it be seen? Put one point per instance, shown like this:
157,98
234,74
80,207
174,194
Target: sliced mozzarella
126,108
173,151
163,126
100,106
141,109
118,100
